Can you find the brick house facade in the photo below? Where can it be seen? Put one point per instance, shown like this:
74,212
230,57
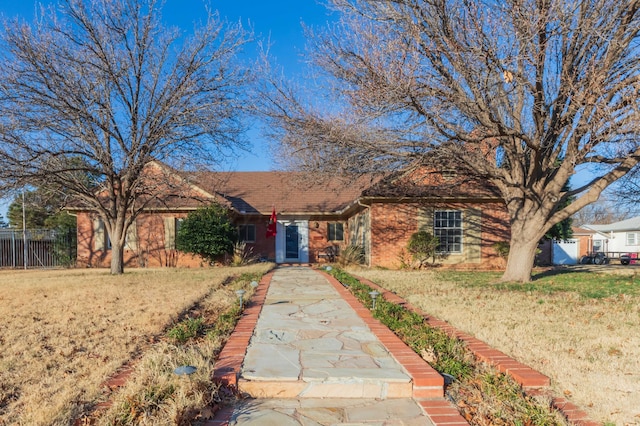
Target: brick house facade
376,215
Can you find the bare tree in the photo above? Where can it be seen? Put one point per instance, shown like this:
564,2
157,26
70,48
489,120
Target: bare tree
608,209
625,196
105,82
521,93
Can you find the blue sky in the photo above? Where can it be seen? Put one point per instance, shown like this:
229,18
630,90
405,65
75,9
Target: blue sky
278,20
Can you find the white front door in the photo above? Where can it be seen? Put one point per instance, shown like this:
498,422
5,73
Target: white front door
292,241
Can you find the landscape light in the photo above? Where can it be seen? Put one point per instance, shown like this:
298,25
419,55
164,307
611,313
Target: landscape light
374,294
240,293
185,370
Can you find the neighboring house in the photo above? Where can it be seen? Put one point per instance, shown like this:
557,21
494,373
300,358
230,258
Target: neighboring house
616,238
313,214
565,252
584,238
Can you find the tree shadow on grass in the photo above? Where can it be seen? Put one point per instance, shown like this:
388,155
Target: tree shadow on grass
554,271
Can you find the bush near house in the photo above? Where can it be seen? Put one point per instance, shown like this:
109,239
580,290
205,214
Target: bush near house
207,232
422,246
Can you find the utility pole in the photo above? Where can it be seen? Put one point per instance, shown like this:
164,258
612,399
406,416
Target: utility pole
24,231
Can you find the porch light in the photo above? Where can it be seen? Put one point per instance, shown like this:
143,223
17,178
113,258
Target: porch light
374,295
240,293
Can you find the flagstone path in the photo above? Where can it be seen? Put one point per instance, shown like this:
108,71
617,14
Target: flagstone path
317,357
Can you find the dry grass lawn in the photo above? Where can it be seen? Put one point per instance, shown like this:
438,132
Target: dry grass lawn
64,332
589,347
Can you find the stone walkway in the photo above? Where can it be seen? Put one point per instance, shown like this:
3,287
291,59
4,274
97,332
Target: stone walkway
315,356
307,352
309,343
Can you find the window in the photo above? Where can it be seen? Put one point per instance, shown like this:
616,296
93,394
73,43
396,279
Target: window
597,246
247,233
335,231
449,174
447,226
632,238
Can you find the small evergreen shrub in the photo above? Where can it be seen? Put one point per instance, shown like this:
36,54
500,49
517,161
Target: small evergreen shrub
502,249
422,246
207,232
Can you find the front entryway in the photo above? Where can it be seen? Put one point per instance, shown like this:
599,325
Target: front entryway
292,242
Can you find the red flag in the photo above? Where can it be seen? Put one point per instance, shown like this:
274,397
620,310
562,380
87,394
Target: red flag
272,226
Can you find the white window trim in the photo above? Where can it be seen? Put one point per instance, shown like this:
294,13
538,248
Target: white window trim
461,251
632,238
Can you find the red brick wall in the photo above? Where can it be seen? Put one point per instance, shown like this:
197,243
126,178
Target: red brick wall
319,239
495,228
150,250
263,247
391,227
393,224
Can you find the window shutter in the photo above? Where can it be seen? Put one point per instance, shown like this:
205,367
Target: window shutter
472,235
169,233
132,237
425,219
98,235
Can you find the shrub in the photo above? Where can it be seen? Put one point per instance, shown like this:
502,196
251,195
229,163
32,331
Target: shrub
207,232
187,329
502,249
422,246
351,255
242,255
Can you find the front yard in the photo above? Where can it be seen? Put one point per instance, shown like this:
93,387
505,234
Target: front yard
64,332
579,328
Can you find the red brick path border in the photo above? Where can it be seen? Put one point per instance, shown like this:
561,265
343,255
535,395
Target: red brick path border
532,381
227,368
428,384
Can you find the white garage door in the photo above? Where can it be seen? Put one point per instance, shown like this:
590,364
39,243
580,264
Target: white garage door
565,252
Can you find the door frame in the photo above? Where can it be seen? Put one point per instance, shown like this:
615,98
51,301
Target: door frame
303,241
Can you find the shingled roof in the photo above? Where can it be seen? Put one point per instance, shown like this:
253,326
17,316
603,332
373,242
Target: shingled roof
423,183
288,192
298,193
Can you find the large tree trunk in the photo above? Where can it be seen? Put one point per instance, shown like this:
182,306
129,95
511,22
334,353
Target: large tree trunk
118,232
526,232
117,257
520,262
